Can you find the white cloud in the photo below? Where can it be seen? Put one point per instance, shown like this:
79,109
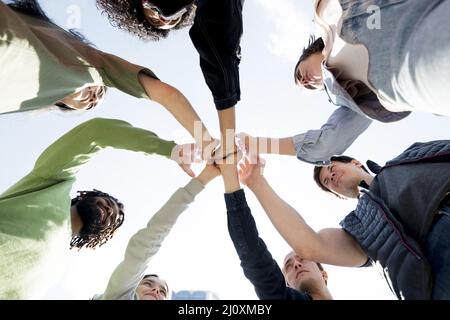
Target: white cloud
292,25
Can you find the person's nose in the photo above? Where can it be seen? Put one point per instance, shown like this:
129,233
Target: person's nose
298,264
156,290
333,176
159,293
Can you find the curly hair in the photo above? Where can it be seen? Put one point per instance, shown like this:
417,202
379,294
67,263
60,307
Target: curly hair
96,230
129,15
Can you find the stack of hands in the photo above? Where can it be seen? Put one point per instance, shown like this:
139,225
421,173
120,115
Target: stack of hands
241,161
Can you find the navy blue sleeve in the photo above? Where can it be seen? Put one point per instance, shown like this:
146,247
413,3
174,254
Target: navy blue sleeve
216,35
256,261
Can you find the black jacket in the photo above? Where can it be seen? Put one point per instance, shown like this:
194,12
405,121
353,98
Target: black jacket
216,35
256,261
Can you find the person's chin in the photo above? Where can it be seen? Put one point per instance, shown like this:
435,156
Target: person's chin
304,284
299,287
299,284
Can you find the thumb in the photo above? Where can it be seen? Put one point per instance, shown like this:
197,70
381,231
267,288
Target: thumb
188,170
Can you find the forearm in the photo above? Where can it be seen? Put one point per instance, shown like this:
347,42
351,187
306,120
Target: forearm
177,104
227,121
331,246
147,242
291,226
282,146
230,178
206,176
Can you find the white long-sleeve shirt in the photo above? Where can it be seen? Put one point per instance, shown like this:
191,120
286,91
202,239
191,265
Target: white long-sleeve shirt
145,244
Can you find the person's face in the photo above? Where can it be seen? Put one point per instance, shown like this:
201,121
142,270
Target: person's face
102,210
158,19
85,99
309,72
108,210
303,275
343,178
152,288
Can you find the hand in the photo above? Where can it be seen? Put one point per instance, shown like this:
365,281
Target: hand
224,149
251,171
185,155
230,161
208,147
208,173
247,143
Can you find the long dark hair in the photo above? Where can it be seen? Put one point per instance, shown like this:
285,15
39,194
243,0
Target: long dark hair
30,8
315,45
33,9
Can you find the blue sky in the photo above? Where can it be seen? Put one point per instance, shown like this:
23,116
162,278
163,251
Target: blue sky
198,254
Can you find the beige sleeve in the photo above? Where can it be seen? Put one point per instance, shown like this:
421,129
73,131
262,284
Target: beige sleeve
146,242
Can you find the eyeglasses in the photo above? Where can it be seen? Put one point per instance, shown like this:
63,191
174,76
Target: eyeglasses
166,18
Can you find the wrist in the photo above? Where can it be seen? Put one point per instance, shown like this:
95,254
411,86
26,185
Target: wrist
204,178
231,184
228,170
230,178
255,182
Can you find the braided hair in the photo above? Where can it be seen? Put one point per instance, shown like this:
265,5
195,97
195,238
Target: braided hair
97,229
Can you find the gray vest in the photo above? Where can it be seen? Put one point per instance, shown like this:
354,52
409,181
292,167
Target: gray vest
394,217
